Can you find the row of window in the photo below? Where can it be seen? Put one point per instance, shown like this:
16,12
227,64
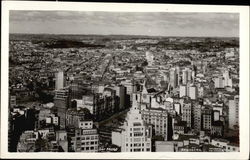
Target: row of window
139,150
89,143
89,148
87,138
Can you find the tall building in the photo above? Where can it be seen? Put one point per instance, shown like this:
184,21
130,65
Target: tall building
187,113
61,101
157,117
59,80
122,95
173,77
197,117
207,118
227,79
183,91
233,112
136,135
86,138
193,92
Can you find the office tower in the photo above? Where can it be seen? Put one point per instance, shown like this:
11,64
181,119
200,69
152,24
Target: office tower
207,118
61,101
122,95
173,77
59,80
158,117
197,117
136,135
193,92
187,113
233,112
185,76
86,138
75,91
189,71
178,75
183,91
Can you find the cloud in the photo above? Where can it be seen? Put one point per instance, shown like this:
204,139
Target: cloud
159,23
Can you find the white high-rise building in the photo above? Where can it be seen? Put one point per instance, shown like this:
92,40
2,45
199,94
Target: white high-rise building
135,135
193,92
233,112
185,76
227,79
173,77
59,80
183,91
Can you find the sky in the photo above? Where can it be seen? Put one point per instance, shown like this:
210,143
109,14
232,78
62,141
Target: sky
125,23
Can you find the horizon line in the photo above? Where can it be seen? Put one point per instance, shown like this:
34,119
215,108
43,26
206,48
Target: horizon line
74,34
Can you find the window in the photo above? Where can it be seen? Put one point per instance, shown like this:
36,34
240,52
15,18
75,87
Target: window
137,150
92,148
92,142
87,148
148,149
83,143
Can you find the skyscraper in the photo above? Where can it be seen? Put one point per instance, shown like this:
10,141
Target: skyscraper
136,135
185,76
193,92
122,94
197,117
233,112
183,91
59,80
61,101
187,113
173,77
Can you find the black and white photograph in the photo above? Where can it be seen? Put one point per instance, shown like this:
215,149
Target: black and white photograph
115,81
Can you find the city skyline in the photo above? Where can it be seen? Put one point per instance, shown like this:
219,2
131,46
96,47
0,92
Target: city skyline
125,23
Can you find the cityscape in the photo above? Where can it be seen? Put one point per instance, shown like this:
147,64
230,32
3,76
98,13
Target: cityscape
122,92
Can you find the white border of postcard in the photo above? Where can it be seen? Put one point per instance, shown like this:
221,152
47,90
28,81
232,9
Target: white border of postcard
126,7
